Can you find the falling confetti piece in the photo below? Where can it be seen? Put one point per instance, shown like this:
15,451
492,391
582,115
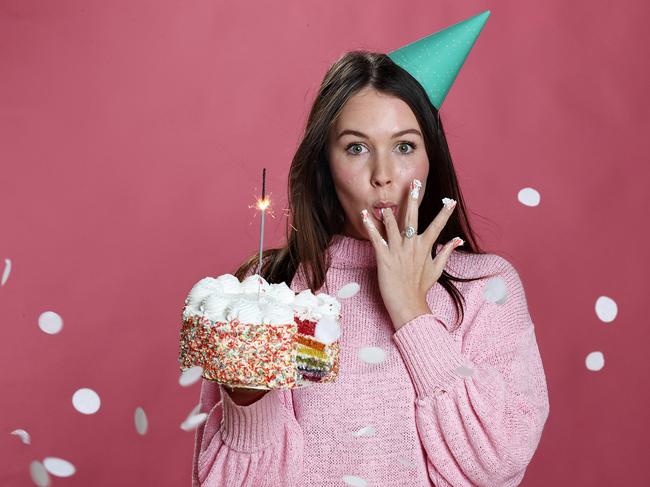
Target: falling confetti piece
59,467
465,371
86,401
141,423
39,474
6,272
190,376
606,309
529,197
354,481
348,290
406,462
196,410
595,361
496,290
327,330
50,322
372,355
365,431
193,421
24,436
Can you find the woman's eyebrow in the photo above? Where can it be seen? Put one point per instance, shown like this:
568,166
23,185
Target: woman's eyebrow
360,134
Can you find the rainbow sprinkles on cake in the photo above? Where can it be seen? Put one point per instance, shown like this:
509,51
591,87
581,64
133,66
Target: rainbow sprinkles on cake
259,335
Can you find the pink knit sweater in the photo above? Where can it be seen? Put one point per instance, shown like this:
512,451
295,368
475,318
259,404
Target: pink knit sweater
425,422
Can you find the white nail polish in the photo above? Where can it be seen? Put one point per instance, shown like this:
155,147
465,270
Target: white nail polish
449,203
415,189
384,242
364,214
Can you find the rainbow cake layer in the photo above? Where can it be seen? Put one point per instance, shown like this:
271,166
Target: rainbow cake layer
259,335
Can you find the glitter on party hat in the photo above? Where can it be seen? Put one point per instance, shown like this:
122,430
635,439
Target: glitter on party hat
436,59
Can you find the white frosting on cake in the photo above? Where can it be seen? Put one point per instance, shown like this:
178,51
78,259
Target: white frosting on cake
255,301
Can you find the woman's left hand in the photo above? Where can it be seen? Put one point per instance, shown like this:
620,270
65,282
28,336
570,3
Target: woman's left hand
405,269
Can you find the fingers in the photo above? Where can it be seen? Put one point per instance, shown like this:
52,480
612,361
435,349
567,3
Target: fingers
435,227
441,259
392,229
411,217
375,237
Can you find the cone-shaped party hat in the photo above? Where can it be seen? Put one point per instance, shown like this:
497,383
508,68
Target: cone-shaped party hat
436,59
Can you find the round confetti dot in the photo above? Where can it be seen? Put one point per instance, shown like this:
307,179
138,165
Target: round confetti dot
327,330
365,431
348,290
190,376
595,361
39,474
86,401
59,467
193,421
465,371
528,197
50,322
23,435
372,355
6,272
141,423
495,290
606,309
354,481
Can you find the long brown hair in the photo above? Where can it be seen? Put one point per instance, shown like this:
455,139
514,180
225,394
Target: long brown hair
315,214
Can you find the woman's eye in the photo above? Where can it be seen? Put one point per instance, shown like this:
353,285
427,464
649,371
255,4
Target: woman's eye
351,146
406,144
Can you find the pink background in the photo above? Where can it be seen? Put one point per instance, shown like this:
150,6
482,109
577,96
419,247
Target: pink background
132,139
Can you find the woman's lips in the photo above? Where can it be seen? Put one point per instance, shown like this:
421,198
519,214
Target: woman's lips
377,213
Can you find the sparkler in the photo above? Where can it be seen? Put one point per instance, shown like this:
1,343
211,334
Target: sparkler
262,204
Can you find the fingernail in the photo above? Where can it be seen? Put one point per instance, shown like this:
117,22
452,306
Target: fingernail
415,188
384,242
364,214
456,242
449,203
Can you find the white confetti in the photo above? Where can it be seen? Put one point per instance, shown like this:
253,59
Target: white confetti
606,309
86,401
529,197
59,467
406,462
193,421
141,423
327,330
6,272
50,322
354,481
465,371
495,290
372,355
365,431
39,474
190,376
196,410
24,436
348,290
595,361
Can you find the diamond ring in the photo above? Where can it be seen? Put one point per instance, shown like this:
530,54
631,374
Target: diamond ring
409,232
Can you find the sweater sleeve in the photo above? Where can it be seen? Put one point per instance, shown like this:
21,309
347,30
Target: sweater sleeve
480,406
256,445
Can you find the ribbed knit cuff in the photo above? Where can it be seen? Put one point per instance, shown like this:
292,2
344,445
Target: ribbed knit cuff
430,354
249,428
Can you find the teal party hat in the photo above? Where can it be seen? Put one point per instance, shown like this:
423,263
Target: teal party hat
436,59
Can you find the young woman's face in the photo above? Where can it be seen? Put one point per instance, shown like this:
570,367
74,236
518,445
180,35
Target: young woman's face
375,165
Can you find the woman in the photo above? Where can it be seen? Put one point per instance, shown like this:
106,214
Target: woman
460,396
